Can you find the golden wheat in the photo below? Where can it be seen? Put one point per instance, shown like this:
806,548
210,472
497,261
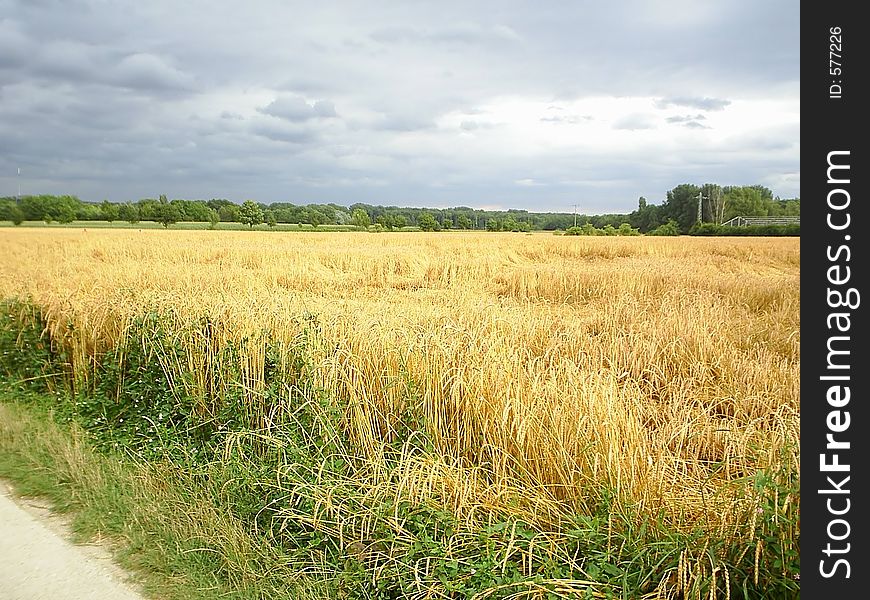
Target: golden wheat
544,366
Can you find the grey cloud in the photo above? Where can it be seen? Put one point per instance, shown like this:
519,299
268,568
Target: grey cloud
711,104
458,33
147,71
308,85
97,97
469,33
295,108
324,108
473,125
14,45
635,122
83,64
392,35
773,138
685,118
695,125
571,119
402,122
74,61
283,132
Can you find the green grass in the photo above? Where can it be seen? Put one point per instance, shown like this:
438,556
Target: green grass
161,527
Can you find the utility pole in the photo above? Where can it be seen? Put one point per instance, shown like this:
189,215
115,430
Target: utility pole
575,214
700,197
18,197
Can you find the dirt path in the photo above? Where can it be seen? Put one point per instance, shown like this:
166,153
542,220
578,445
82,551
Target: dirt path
37,560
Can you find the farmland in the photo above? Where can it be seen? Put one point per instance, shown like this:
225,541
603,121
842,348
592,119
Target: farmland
437,415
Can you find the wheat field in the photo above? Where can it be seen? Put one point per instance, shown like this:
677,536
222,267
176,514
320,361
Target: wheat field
542,369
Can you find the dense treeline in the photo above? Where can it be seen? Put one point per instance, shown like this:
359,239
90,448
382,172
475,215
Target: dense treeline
717,205
679,210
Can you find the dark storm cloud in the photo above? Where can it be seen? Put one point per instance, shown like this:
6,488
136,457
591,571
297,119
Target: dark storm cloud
393,102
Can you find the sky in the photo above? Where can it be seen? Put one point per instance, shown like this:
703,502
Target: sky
545,106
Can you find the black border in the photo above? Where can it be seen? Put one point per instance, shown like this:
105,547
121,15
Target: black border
832,124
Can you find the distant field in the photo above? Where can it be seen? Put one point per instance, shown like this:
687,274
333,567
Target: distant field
642,389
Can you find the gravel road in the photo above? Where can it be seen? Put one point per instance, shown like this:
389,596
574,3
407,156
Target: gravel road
37,560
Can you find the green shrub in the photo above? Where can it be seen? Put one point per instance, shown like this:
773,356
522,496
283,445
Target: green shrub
669,228
627,229
748,230
28,359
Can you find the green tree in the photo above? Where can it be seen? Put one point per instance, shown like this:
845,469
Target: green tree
110,212
88,212
463,222
745,201
682,206
250,213
669,228
313,216
10,211
146,208
627,229
447,223
214,218
509,223
400,221
427,222
166,213
67,215
360,218
16,215
385,221
229,213
193,210
50,208
270,219
129,213
646,217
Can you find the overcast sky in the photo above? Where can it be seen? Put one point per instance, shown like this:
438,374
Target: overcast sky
491,104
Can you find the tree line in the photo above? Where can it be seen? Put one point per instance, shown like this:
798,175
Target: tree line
679,212
687,205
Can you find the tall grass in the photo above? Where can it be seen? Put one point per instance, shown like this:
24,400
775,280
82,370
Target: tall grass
542,389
